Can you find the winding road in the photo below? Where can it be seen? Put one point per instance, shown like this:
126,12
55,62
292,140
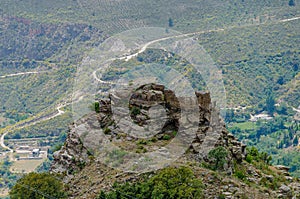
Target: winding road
2,144
297,115
18,74
32,122
126,58
297,110
146,45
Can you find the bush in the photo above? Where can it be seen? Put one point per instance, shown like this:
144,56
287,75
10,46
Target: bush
249,158
96,107
142,142
166,137
135,110
218,157
240,174
254,154
106,131
38,185
168,183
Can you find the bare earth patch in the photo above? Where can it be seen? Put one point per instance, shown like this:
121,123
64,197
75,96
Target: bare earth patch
25,166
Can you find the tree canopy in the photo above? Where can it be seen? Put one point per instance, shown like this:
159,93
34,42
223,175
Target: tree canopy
38,186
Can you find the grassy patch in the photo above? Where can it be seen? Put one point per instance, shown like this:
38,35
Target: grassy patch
25,166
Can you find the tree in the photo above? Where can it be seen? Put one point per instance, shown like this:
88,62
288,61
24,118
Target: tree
296,141
254,154
282,109
280,80
218,157
270,104
175,183
296,67
38,186
292,3
171,23
229,116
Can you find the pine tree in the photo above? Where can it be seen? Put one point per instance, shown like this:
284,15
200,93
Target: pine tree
292,3
171,23
270,104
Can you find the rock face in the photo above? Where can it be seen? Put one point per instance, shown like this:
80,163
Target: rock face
87,172
71,157
209,133
212,132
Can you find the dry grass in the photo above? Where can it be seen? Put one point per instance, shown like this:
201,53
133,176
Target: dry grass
25,166
4,192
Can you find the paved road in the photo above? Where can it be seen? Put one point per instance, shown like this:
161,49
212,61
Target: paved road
2,144
126,58
60,112
18,74
146,45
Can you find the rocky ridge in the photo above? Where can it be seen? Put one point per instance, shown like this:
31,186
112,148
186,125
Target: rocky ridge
87,174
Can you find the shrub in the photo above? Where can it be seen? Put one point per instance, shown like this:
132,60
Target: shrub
168,183
142,142
240,174
166,137
153,139
135,110
174,133
97,107
38,185
106,131
249,158
254,154
218,157
222,196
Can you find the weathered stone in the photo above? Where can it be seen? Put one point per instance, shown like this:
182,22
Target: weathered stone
252,180
270,178
171,99
227,193
158,87
204,100
204,126
288,178
284,189
282,168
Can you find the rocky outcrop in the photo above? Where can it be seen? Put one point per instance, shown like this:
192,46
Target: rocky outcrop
87,172
209,133
72,157
212,132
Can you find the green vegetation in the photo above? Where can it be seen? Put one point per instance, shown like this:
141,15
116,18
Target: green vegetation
254,60
169,183
292,3
95,107
135,110
106,131
272,137
38,186
50,128
270,104
116,157
252,63
254,155
218,157
261,161
166,137
7,178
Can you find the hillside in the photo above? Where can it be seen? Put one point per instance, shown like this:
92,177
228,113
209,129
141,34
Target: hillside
214,157
44,45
